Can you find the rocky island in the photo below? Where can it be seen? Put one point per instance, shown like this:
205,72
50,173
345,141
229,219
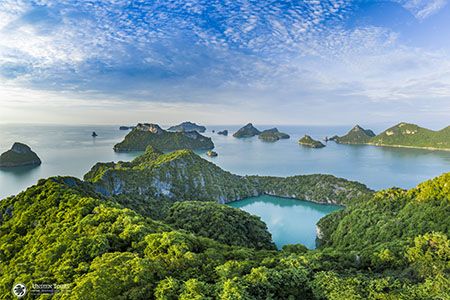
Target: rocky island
144,135
18,156
272,135
211,153
223,132
357,135
403,135
187,126
308,141
247,131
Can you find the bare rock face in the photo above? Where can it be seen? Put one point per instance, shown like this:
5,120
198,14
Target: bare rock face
19,155
153,128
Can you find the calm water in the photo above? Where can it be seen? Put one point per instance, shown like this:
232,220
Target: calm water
290,221
70,150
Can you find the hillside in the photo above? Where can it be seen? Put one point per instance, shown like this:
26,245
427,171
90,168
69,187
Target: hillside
187,126
184,175
247,131
144,135
308,141
393,245
357,135
411,135
272,135
237,227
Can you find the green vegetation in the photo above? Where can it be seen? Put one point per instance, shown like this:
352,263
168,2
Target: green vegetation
272,135
400,135
411,135
247,131
19,155
357,135
392,245
184,175
187,126
237,227
308,141
144,135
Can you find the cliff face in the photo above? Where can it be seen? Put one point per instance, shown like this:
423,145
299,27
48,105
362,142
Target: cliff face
19,155
144,135
183,175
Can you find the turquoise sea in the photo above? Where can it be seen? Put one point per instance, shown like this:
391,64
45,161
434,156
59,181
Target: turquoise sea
70,150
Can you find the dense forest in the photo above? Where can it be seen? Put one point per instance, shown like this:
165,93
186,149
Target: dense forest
389,245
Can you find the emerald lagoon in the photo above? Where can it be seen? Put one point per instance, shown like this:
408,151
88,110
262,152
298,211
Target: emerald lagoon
290,221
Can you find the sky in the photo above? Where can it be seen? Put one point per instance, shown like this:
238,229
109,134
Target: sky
333,62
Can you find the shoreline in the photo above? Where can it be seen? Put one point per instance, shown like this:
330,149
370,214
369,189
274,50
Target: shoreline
409,147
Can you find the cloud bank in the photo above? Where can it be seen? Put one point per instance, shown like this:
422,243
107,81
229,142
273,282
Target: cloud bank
211,52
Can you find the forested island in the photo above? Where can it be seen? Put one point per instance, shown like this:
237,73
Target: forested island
144,135
272,135
20,155
187,126
308,141
401,135
140,229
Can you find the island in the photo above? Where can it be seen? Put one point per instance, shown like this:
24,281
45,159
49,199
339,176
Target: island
357,135
404,135
126,127
187,127
272,135
247,131
146,134
211,153
223,132
19,155
308,141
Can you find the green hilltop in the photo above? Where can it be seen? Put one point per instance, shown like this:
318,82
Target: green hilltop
185,175
401,135
357,135
414,136
144,135
389,245
308,141
272,135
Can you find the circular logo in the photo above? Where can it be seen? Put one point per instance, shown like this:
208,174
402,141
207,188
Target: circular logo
19,290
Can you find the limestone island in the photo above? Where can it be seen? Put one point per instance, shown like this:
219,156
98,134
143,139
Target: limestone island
211,153
187,126
308,141
247,131
19,155
273,135
404,135
223,132
357,135
144,135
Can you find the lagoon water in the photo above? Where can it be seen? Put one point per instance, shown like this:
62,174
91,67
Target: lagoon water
70,150
289,221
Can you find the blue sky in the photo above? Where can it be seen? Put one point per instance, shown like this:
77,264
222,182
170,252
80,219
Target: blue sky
225,62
